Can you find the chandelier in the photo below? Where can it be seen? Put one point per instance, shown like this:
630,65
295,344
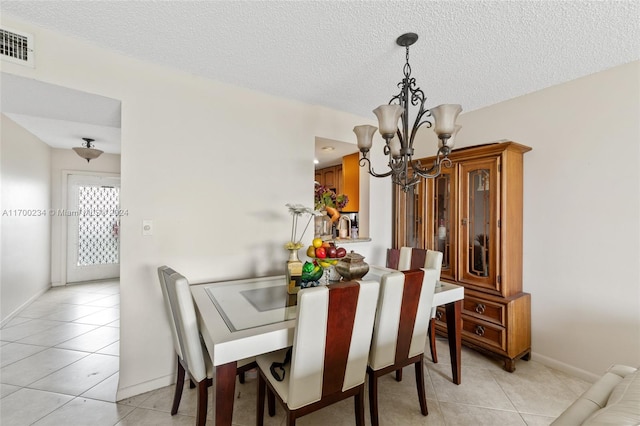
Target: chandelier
405,171
88,152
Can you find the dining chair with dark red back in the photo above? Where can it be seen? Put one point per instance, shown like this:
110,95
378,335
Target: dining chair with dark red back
406,258
400,330
330,350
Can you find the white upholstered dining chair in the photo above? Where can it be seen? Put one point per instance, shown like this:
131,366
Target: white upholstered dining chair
400,330
330,350
406,258
191,354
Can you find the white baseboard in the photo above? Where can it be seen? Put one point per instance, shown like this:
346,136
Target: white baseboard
21,307
565,368
130,391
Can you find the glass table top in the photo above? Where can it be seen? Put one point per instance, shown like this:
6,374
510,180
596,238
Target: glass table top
253,303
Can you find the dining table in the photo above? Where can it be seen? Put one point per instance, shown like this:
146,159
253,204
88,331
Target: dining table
244,318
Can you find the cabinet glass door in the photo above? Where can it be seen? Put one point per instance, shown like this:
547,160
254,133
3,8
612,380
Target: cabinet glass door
443,232
478,223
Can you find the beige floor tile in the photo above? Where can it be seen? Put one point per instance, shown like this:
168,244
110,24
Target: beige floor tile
37,366
68,312
106,390
467,415
26,329
244,407
15,321
478,388
80,376
103,317
58,334
26,406
533,420
40,309
404,410
12,352
106,301
7,390
93,340
137,400
83,412
535,389
112,349
147,417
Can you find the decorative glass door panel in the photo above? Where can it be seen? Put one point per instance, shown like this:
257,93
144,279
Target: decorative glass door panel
93,228
443,238
479,219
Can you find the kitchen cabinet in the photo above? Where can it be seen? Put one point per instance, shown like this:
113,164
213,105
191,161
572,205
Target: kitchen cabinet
331,177
474,217
343,179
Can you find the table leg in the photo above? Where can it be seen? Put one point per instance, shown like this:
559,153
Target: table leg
454,334
225,391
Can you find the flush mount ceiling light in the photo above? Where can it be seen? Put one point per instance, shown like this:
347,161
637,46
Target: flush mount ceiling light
405,171
88,152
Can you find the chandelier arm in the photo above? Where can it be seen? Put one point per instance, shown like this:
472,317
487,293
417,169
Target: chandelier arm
365,161
434,170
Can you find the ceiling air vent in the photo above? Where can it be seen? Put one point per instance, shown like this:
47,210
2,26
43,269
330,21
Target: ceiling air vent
16,47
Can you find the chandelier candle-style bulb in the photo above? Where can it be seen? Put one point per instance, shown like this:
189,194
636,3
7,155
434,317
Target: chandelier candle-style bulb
388,116
445,118
364,134
451,140
395,147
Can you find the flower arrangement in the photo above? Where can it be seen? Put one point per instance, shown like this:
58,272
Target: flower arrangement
325,197
297,210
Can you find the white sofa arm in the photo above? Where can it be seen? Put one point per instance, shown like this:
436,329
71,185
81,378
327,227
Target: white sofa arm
613,400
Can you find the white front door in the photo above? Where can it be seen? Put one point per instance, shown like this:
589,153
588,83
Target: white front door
93,228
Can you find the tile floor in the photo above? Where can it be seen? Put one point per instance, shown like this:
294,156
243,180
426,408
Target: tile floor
59,366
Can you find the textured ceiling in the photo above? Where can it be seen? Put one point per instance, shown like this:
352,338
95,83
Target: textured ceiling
343,54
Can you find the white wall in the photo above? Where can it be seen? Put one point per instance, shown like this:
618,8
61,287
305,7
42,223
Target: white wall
581,214
63,162
212,165
25,222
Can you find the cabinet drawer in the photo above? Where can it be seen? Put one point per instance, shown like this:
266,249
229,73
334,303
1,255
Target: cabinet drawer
484,333
484,309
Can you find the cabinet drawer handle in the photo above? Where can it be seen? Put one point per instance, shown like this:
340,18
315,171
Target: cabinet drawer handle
479,330
439,316
480,308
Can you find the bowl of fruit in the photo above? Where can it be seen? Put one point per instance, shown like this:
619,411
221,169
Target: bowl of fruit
325,253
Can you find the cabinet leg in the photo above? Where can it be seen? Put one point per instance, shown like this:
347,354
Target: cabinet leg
510,365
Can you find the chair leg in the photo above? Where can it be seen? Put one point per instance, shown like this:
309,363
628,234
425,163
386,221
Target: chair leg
191,384
359,406
203,396
432,340
179,385
399,375
271,402
291,419
422,398
241,377
373,397
260,408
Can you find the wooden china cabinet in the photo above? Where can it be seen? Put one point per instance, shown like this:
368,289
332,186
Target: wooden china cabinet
473,214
